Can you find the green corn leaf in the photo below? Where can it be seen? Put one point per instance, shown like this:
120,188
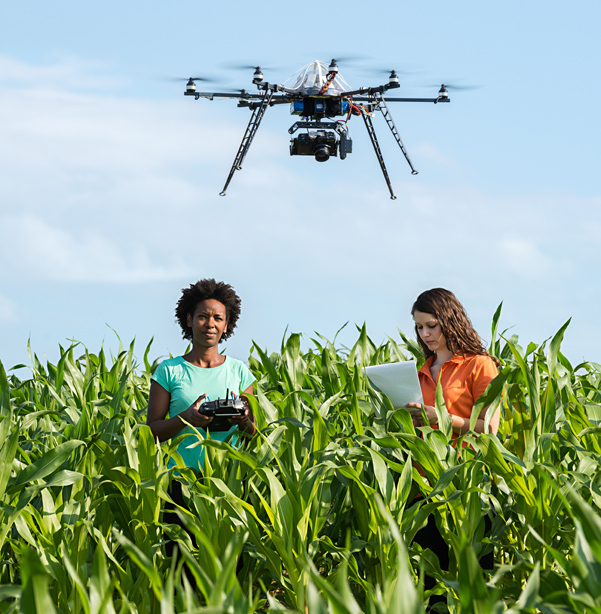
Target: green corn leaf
101,586
529,595
7,456
384,480
414,348
268,365
45,465
78,583
495,327
403,594
35,596
147,365
446,479
445,421
473,592
320,433
554,348
147,453
142,561
424,456
9,591
404,486
490,398
5,405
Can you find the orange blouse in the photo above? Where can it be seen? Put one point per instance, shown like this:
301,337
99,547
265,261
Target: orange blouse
463,379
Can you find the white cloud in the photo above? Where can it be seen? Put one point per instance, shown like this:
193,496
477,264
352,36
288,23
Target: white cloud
69,72
117,189
98,188
35,247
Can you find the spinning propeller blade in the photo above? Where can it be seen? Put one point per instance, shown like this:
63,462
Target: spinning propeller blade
347,59
387,71
204,79
457,88
238,66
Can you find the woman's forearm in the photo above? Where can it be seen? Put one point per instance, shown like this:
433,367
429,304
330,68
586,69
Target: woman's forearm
166,428
248,428
245,424
462,425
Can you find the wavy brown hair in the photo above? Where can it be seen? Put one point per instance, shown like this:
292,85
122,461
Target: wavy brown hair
456,327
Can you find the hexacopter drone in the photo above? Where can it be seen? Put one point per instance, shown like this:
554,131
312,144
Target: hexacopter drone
318,93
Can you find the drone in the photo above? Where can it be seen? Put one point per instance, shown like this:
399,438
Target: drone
318,96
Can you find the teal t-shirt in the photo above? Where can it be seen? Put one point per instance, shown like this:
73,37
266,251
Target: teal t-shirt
186,382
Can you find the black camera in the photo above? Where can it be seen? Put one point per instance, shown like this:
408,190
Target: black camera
320,144
221,411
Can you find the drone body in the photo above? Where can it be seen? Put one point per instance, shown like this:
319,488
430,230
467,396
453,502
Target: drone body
318,95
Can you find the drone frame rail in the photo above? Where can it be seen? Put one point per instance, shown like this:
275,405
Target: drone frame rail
247,139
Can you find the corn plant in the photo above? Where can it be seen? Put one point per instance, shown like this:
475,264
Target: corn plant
317,513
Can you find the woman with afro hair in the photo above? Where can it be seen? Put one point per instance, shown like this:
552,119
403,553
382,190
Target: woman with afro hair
207,313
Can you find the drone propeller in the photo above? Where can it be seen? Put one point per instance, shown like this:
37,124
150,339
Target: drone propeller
237,66
387,71
457,88
205,79
347,59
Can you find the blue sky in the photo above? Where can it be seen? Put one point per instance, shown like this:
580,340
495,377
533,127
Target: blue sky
110,177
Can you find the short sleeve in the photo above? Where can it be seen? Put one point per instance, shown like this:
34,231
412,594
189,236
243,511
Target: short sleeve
162,376
484,373
246,377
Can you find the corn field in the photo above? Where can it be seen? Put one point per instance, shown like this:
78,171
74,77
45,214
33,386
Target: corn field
317,513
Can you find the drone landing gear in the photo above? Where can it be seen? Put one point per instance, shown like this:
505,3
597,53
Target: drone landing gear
380,103
249,135
374,141
388,117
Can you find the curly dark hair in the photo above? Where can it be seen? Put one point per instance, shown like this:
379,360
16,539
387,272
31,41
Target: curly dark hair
456,327
204,290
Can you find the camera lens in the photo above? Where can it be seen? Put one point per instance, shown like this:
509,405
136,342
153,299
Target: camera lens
322,152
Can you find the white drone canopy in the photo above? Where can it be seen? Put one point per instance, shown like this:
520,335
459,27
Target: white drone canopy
312,78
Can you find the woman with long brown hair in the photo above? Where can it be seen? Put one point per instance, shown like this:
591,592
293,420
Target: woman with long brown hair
455,356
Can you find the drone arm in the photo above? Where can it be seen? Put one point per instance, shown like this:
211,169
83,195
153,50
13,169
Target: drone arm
388,117
243,95
370,91
252,105
249,135
374,141
368,99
